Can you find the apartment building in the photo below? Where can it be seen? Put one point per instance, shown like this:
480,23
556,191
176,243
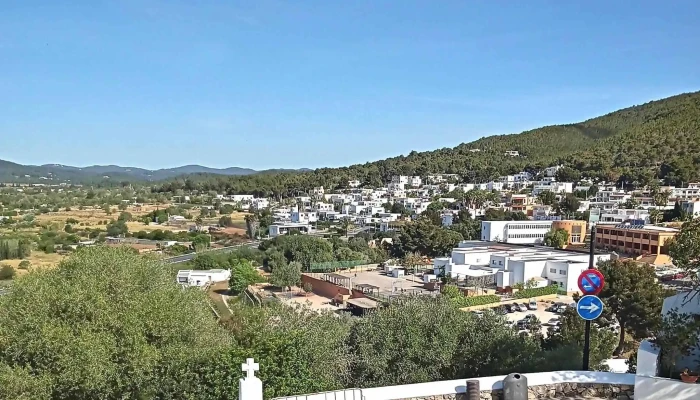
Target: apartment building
518,232
520,202
632,239
556,187
354,183
303,217
621,215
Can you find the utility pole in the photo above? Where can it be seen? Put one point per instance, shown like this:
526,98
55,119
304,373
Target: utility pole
587,336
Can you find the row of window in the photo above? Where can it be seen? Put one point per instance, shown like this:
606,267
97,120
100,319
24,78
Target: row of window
629,234
554,271
530,226
525,235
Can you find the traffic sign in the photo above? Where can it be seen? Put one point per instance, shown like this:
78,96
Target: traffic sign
591,282
589,307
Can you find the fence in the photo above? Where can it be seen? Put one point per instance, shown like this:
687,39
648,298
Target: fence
334,266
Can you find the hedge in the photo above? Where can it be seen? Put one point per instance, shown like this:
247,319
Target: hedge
470,301
540,291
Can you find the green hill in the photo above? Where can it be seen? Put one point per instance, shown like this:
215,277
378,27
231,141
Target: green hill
659,139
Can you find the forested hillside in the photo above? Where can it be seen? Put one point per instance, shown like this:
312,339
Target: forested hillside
657,139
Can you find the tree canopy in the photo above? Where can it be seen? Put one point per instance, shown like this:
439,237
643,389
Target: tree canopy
106,323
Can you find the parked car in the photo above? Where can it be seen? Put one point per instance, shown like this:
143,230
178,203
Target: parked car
532,305
508,308
523,307
516,307
553,322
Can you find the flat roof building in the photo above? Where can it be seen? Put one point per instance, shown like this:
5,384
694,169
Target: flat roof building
634,239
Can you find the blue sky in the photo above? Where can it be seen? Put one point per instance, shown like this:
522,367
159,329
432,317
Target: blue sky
289,84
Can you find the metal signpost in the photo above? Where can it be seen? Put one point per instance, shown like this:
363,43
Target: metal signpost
590,282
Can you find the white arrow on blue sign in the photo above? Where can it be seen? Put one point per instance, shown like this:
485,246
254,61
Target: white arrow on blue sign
589,307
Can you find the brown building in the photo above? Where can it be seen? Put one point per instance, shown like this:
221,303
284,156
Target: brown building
576,229
634,239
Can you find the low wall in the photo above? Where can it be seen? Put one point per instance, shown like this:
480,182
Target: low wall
560,384
650,388
541,385
324,288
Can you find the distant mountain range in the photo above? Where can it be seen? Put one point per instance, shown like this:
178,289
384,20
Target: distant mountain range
12,172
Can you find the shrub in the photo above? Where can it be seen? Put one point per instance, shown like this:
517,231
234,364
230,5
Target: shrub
471,301
6,272
308,288
541,291
24,264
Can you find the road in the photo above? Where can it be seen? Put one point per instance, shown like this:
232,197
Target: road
187,257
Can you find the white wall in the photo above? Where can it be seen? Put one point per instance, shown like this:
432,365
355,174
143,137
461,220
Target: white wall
684,303
649,388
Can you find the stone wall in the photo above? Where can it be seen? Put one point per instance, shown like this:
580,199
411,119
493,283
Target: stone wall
553,391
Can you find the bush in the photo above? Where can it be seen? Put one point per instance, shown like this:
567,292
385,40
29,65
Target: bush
24,264
308,288
6,272
471,301
541,291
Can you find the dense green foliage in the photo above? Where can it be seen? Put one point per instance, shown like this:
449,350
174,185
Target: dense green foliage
310,251
243,274
469,301
105,323
636,144
534,292
557,238
632,292
110,324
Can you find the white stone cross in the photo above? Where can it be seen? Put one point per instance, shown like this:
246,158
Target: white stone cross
250,367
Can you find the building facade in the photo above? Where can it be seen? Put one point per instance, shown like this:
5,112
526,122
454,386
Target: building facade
517,232
575,228
634,239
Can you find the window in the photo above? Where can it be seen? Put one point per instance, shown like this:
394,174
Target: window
493,262
500,263
561,284
562,271
553,270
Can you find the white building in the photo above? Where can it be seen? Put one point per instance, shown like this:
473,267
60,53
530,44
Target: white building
691,207
279,229
354,183
510,265
241,197
414,181
512,153
556,187
200,278
551,171
517,232
318,191
303,217
621,215
260,204
320,206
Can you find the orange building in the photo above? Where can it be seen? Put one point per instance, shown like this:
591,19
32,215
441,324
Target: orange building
634,239
576,229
